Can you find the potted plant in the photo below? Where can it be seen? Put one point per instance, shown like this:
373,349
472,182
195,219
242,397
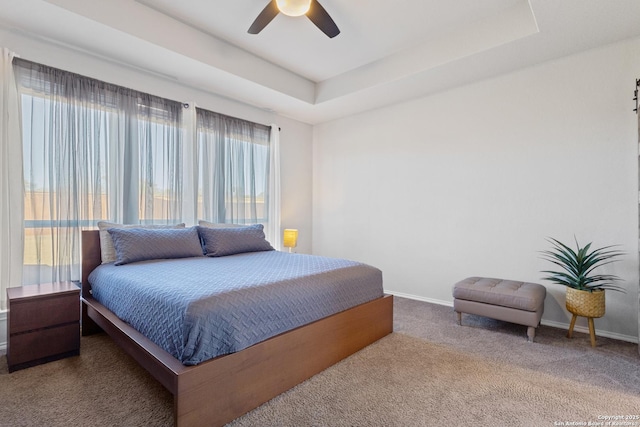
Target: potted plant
585,288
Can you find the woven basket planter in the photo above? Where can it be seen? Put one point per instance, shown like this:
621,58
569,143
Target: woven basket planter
585,303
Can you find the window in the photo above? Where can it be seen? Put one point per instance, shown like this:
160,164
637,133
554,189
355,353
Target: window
96,151
92,151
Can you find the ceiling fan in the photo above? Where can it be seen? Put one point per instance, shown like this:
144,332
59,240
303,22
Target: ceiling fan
314,11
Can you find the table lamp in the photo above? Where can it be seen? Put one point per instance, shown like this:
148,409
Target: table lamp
290,238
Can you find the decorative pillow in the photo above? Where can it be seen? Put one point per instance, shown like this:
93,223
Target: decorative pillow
108,253
233,240
141,244
203,223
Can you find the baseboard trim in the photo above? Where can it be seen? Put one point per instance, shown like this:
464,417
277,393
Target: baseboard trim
3,331
585,330
419,298
553,324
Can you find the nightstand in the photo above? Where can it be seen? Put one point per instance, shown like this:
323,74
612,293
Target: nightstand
43,324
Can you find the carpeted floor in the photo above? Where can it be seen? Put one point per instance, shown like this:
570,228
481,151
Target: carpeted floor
429,372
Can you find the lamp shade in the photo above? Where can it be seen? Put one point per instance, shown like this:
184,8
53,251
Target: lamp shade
290,238
294,7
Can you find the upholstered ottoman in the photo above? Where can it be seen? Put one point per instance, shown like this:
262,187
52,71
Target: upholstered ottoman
507,300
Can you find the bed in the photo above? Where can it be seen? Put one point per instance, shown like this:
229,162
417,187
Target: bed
221,389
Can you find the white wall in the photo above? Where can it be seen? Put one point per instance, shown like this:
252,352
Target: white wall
471,181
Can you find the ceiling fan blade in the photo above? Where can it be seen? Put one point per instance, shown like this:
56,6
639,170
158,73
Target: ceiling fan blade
268,13
319,16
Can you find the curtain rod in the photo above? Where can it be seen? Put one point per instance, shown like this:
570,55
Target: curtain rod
186,105
17,58
635,94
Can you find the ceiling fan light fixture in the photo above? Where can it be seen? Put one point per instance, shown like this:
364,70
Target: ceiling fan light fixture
294,7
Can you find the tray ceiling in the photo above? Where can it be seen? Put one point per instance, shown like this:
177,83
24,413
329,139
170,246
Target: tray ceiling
387,52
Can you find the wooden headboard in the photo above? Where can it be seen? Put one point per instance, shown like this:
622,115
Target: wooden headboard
91,257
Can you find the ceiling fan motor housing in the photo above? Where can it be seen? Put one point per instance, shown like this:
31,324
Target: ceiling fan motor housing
294,7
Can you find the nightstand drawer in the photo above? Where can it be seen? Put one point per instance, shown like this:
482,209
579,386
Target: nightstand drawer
43,312
45,343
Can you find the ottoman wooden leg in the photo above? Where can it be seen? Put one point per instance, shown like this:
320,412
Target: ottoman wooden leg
573,323
531,333
459,315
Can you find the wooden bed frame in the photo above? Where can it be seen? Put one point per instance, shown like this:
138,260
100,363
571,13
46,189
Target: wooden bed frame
220,390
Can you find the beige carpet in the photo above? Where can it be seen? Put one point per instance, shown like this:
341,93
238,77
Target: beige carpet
430,372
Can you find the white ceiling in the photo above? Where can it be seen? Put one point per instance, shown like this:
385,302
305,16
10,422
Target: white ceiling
369,32
387,52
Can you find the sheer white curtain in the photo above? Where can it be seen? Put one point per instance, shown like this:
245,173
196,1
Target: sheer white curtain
233,162
11,195
93,151
159,139
272,231
190,172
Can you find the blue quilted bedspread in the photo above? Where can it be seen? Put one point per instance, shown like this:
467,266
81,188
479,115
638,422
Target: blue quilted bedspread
200,308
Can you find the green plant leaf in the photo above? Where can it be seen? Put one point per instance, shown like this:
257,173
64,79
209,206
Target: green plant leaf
578,266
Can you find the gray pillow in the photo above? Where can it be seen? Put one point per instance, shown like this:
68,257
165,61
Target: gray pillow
141,244
107,251
236,240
